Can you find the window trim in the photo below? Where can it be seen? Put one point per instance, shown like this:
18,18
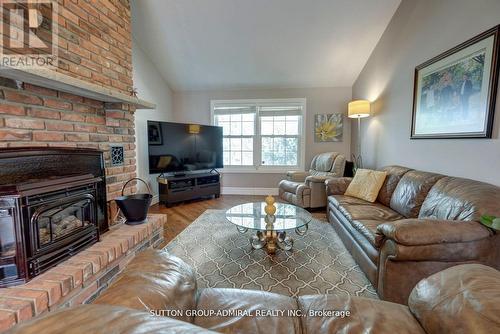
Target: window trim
257,167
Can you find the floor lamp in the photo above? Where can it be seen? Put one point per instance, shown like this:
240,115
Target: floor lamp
358,109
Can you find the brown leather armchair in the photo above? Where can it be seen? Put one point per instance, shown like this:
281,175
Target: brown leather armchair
420,224
307,189
459,299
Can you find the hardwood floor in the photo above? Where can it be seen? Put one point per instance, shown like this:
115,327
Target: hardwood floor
183,214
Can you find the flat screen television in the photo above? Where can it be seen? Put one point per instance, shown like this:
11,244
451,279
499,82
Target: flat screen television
178,147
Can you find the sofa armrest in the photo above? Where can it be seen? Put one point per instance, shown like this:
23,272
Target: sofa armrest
296,176
155,280
296,188
104,319
337,186
401,267
317,179
419,232
464,296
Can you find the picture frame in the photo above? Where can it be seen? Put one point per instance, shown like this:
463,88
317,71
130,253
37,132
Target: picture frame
328,127
154,133
454,93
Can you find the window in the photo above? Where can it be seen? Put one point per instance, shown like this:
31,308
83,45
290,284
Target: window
238,124
261,135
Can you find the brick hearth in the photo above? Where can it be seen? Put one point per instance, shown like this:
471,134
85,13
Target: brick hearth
83,277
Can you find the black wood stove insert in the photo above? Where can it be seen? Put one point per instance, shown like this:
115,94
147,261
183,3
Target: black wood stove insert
52,205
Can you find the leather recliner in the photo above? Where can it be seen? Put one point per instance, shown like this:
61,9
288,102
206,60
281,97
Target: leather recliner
307,189
420,224
157,293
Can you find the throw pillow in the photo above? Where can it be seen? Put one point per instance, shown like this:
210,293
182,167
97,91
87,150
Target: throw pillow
366,184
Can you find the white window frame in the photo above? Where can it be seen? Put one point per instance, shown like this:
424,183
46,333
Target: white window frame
257,143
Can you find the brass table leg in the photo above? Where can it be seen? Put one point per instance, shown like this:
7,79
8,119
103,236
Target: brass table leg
271,237
264,239
272,240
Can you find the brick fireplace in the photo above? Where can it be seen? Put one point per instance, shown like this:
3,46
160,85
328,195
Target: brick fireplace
95,42
86,102
94,46
36,116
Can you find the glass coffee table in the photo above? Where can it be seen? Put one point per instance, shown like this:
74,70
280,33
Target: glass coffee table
271,231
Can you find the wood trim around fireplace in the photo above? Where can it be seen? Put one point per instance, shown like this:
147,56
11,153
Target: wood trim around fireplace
69,84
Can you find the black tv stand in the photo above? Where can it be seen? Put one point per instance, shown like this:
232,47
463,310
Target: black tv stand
179,188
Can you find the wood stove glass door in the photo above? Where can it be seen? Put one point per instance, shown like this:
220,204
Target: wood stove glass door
56,222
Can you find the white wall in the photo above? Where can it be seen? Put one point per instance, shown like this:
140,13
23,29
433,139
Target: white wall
194,107
419,31
153,88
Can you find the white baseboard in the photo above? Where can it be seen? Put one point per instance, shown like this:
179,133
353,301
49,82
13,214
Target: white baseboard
248,191
235,191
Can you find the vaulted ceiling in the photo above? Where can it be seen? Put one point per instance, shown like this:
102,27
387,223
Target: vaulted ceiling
237,44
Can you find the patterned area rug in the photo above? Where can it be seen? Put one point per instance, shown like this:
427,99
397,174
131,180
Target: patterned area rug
222,257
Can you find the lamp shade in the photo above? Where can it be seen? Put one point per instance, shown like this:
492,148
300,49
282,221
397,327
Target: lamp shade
358,109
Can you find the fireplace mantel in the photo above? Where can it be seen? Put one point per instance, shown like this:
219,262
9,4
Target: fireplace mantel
62,82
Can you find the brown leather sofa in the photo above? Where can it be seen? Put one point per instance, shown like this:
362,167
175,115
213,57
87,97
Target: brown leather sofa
420,224
462,299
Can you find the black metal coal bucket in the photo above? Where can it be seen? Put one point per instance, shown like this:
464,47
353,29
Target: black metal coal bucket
134,207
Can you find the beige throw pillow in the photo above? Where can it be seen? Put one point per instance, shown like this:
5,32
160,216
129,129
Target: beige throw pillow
366,184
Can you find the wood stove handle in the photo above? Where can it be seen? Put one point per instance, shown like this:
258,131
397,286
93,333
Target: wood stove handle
136,178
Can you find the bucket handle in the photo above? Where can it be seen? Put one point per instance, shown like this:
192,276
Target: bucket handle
136,178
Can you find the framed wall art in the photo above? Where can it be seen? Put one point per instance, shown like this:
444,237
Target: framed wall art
154,133
328,127
454,93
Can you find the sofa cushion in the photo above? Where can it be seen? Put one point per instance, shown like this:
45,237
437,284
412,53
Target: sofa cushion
411,191
85,319
366,184
154,280
394,174
460,299
365,218
338,200
368,228
461,199
362,250
250,301
323,162
372,211
365,316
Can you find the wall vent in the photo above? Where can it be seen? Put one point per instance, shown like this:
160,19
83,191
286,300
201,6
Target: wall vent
117,155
